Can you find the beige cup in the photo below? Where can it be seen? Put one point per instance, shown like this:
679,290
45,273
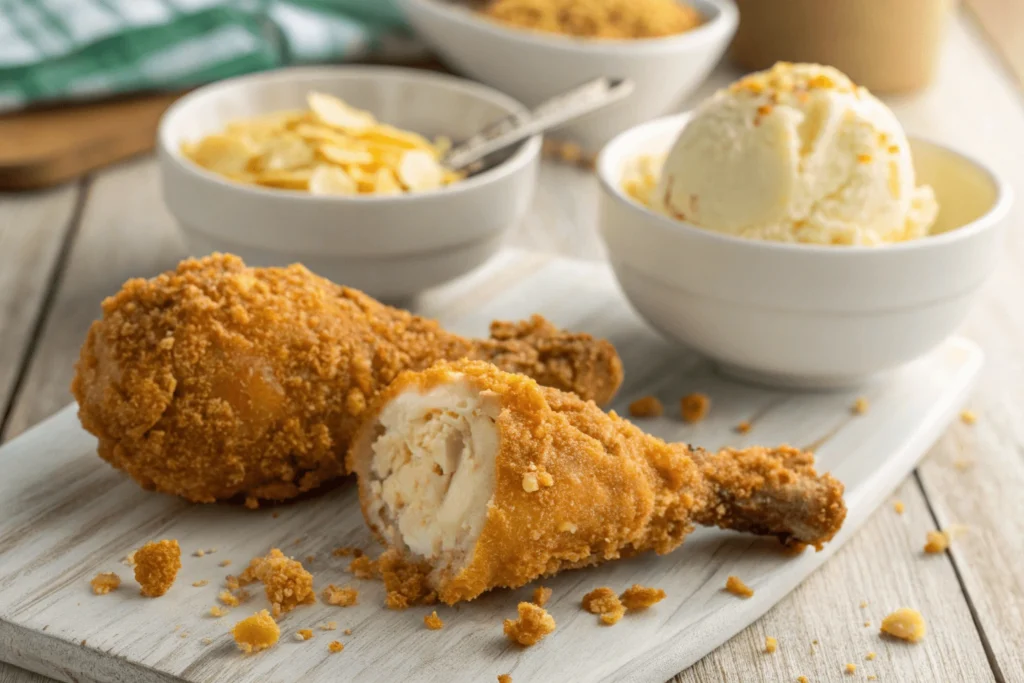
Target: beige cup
884,45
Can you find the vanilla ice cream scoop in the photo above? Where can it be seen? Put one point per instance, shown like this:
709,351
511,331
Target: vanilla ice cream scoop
797,153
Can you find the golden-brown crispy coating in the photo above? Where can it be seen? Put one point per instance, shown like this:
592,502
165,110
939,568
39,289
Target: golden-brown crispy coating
217,381
615,491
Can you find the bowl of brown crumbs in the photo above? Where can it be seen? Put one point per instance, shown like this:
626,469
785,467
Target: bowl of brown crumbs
535,49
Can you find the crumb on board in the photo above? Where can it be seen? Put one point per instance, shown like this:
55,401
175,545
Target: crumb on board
285,581
105,582
963,464
329,626
870,656
334,647
206,641
200,583
646,406
694,407
405,582
362,567
504,678
224,563
347,632
638,597
541,595
275,514
743,427
198,553
867,624
735,585
340,597
905,624
770,644
184,635
252,502
304,634
217,611
347,551
433,622
968,417
156,566
872,677
605,603
310,559
899,507
256,633
801,679
860,406
850,668
863,604
937,542
228,598
533,624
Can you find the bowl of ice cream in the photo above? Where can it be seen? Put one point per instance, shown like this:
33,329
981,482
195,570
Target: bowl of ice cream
533,53
794,234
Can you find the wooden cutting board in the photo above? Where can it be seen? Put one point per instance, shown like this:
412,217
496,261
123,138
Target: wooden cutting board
65,516
51,145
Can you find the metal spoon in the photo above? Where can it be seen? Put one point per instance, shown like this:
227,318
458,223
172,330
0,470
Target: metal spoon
471,155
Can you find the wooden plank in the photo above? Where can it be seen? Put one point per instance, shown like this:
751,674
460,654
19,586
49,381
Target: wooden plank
821,627
1002,21
32,230
125,232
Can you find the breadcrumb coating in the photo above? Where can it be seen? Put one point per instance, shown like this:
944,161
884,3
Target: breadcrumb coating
156,566
335,647
304,634
285,581
541,595
216,381
606,604
638,597
217,611
735,585
104,583
533,624
433,622
256,633
504,678
647,406
597,19
340,597
694,407
362,567
616,491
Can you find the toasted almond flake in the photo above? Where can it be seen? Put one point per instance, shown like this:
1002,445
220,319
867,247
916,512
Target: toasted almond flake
333,112
331,180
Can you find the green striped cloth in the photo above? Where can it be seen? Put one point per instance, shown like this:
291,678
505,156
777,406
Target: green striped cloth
83,49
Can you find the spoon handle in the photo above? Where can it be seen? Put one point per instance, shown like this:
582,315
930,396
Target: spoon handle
581,100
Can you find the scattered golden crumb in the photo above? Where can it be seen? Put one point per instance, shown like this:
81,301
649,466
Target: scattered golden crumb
968,417
206,641
362,567
405,582
743,427
275,514
129,559
304,634
224,563
899,507
504,678
347,551
635,19
156,566
605,603
532,625
694,407
936,542
329,626
638,597
850,668
285,581
545,479
736,586
863,604
252,502
801,679
860,406
613,617
198,553
530,483
541,595
646,406
184,635
200,583
229,599
211,551
341,597
906,624
103,583
217,611
814,642
310,559
335,647
872,677
347,632
770,644
867,624
256,633
963,464
433,622
870,656
396,601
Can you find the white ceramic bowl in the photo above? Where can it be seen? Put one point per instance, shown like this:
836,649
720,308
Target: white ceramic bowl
804,315
532,66
391,247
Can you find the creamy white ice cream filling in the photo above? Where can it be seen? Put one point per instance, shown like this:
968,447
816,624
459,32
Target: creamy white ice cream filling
432,468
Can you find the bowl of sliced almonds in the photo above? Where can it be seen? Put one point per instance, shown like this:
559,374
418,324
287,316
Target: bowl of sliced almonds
343,169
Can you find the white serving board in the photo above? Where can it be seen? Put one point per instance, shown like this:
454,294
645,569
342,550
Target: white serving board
65,515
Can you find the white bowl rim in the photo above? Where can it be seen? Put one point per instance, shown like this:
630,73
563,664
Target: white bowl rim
724,20
527,151
991,218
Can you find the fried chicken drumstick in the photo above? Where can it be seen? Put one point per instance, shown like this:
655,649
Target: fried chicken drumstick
480,479
218,381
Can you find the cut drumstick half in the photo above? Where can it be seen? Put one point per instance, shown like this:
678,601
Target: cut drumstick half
487,480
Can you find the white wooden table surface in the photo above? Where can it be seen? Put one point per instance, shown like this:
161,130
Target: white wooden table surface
63,250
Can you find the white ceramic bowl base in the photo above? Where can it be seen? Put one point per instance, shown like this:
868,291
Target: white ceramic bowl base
533,66
391,247
804,315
